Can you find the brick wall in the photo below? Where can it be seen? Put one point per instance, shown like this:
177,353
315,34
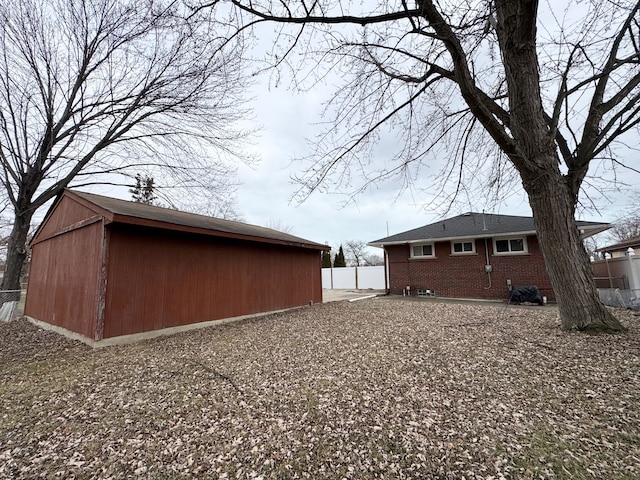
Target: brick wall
464,276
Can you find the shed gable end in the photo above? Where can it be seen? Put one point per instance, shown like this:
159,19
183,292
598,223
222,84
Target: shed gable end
66,215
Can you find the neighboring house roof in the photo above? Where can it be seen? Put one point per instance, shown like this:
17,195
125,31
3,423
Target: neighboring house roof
125,212
477,225
632,242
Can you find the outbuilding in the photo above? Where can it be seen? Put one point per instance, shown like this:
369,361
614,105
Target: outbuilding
106,270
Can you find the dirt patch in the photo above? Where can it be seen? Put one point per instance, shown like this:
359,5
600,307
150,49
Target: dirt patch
369,389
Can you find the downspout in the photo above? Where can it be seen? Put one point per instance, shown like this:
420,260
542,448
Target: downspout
386,270
408,272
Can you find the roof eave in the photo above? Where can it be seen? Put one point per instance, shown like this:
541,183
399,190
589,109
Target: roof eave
585,232
129,220
591,230
381,244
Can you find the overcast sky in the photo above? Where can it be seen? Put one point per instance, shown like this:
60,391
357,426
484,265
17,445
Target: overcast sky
286,119
264,197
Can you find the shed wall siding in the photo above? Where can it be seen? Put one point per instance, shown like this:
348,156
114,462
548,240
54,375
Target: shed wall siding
464,276
160,279
68,212
63,280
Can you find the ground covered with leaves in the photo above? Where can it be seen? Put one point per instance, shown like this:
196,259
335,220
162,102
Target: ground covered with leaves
382,388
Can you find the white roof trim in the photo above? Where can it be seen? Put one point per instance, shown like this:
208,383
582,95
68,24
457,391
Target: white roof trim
585,232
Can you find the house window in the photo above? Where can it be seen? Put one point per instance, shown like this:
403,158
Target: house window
425,250
458,248
510,245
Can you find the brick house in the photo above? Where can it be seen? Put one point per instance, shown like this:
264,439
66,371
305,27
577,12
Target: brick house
473,255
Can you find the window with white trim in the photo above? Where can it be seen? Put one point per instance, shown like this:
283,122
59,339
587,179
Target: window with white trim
505,246
461,248
422,251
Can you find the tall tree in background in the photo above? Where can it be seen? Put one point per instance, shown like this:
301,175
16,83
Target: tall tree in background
473,81
143,190
356,251
326,259
98,87
339,260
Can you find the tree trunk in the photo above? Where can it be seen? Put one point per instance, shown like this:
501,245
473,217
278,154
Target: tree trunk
552,195
565,257
16,252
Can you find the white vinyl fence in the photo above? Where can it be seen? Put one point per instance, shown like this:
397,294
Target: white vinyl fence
353,277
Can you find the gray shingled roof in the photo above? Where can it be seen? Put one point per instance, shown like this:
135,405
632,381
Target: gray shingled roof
476,225
124,211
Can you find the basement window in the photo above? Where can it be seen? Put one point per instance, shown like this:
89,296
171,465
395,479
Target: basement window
423,292
422,251
506,246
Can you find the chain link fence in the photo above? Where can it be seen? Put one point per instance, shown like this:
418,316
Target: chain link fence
615,297
11,304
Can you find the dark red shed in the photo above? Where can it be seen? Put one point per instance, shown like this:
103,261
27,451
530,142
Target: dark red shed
103,268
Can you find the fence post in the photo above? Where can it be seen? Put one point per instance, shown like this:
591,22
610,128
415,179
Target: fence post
607,256
331,276
634,283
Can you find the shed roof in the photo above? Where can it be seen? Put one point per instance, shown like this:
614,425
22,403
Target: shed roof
477,225
126,212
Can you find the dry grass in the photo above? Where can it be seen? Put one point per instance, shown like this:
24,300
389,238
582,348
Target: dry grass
372,389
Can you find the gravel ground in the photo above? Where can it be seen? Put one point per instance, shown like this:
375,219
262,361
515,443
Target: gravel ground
380,388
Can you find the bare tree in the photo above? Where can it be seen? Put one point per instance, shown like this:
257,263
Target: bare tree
627,226
372,260
448,75
279,225
5,230
91,90
355,251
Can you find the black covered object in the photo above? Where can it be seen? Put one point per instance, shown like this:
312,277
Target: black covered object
525,293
